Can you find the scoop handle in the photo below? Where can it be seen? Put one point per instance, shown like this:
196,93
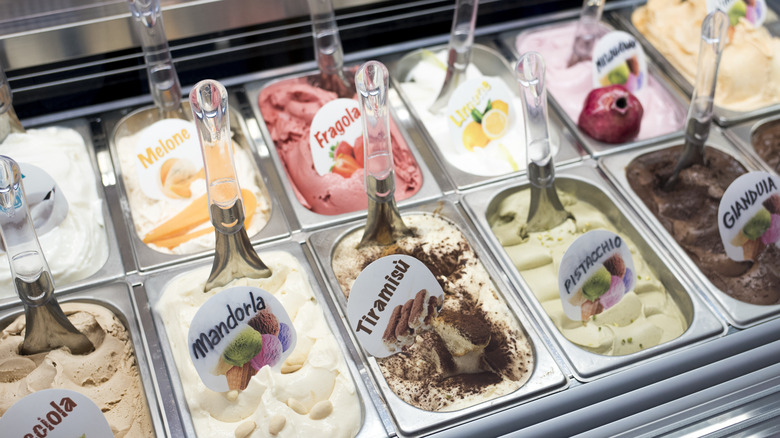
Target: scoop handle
529,72
21,241
458,51
209,103
372,81
587,30
714,31
163,80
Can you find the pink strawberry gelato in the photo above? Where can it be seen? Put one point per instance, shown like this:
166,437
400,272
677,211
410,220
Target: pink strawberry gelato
288,108
571,85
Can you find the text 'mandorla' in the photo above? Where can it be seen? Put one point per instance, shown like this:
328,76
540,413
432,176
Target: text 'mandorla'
208,340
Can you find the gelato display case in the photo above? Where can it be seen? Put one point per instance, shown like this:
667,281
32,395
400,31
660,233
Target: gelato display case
683,352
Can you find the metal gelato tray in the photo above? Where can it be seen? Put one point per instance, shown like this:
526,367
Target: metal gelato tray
307,219
586,184
743,136
722,116
149,293
546,377
120,124
595,147
739,314
116,297
112,267
490,63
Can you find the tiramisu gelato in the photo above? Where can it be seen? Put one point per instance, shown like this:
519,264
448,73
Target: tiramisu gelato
108,375
475,350
689,213
643,318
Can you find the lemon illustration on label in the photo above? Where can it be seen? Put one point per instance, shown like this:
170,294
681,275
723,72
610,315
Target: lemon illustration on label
488,125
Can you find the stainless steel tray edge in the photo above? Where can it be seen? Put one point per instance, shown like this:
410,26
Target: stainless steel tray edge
151,287
722,116
741,135
546,378
149,259
737,313
569,148
307,219
587,366
117,297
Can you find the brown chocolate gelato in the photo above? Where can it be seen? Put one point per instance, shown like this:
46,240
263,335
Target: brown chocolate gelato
689,213
766,142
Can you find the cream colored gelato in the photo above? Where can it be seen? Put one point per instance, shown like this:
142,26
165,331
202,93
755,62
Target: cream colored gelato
645,317
313,395
148,213
500,156
108,375
78,246
749,75
477,351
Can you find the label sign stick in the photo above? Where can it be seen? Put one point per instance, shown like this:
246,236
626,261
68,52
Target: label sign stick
236,333
749,215
596,272
393,299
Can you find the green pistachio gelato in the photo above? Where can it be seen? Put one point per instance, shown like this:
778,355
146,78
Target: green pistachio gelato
736,12
243,347
597,285
757,225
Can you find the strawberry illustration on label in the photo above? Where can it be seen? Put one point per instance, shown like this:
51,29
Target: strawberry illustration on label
345,165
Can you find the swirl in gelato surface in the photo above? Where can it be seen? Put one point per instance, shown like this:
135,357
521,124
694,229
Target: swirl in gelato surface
288,108
108,375
645,317
77,247
749,73
437,373
689,213
570,85
314,380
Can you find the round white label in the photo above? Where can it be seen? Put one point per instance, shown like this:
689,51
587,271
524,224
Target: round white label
55,413
753,11
596,272
333,136
392,300
236,333
618,59
749,215
168,159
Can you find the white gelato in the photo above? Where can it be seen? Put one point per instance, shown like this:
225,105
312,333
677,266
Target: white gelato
314,377
78,246
148,213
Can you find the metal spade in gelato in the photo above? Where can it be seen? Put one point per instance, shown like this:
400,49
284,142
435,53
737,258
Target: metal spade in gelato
689,213
288,108
477,350
749,76
643,318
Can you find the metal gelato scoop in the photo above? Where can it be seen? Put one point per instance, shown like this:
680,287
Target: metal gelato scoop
327,45
587,31
47,327
235,257
546,210
384,224
714,31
